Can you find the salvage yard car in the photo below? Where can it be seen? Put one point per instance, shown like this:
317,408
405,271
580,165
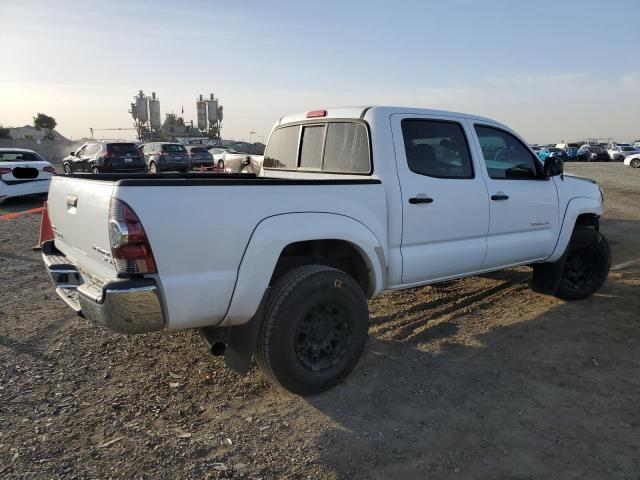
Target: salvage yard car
165,157
23,172
352,202
230,160
620,151
199,156
104,156
593,153
632,160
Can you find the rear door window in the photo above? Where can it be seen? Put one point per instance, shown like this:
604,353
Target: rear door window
91,149
436,148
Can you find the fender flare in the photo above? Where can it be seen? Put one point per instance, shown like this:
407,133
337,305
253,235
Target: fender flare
273,234
575,207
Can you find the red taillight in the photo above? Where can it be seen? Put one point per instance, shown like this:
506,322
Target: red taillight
49,169
130,247
4,170
316,113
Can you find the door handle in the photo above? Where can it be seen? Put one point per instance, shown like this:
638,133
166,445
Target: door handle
500,196
414,200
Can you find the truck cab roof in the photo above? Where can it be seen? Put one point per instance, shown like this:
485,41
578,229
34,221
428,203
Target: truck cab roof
361,111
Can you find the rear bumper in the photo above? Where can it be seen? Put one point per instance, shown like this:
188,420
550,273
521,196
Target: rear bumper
123,169
164,166
202,163
127,306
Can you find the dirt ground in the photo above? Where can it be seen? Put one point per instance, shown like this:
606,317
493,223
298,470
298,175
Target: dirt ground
477,378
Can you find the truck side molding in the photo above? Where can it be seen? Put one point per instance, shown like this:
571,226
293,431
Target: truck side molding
575,207
273,234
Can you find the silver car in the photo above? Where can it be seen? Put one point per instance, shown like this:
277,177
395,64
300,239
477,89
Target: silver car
165,156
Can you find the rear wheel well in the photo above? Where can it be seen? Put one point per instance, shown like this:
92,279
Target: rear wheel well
333,253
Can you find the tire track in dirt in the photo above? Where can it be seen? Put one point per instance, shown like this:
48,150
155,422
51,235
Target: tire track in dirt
435,327
460,301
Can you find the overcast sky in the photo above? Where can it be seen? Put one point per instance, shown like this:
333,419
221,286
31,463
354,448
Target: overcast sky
550,69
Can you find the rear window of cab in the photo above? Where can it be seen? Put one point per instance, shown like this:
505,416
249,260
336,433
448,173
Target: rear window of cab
329,147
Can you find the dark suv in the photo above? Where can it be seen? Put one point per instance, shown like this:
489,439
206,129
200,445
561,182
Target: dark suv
105,156
163,156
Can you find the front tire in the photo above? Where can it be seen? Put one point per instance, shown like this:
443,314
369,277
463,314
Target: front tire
153,168
95,170
587,264
314,329
635,163
67,169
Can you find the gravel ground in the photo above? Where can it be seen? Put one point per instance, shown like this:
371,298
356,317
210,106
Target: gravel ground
476,378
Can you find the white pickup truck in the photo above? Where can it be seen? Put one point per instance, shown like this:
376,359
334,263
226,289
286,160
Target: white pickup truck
351,202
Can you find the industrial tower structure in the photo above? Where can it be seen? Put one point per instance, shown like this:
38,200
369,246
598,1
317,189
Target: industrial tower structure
149,126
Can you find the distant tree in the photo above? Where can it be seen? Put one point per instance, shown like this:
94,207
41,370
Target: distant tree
46,123
4,132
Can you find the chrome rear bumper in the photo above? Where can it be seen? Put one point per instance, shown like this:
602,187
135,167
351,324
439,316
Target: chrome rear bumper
128,306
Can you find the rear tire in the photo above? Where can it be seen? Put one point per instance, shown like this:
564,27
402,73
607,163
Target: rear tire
67,169
587,264
220,164
314,329
95,170
153,168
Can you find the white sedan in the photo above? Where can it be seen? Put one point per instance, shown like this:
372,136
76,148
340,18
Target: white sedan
23,172
620,152
231,161
632,160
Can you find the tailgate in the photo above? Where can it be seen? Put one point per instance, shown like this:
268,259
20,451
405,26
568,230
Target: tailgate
79,213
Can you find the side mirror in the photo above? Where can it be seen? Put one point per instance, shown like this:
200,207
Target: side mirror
73,154
553,166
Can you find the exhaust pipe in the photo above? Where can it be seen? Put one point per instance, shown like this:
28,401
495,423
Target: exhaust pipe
215,340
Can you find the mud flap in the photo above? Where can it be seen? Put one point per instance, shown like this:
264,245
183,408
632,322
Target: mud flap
240,341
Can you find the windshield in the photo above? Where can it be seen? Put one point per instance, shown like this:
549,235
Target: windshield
173,148
19,157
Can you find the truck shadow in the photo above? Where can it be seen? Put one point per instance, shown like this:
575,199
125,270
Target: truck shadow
524,386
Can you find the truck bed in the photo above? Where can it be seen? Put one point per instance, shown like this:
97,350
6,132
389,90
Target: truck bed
198,235
203,179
